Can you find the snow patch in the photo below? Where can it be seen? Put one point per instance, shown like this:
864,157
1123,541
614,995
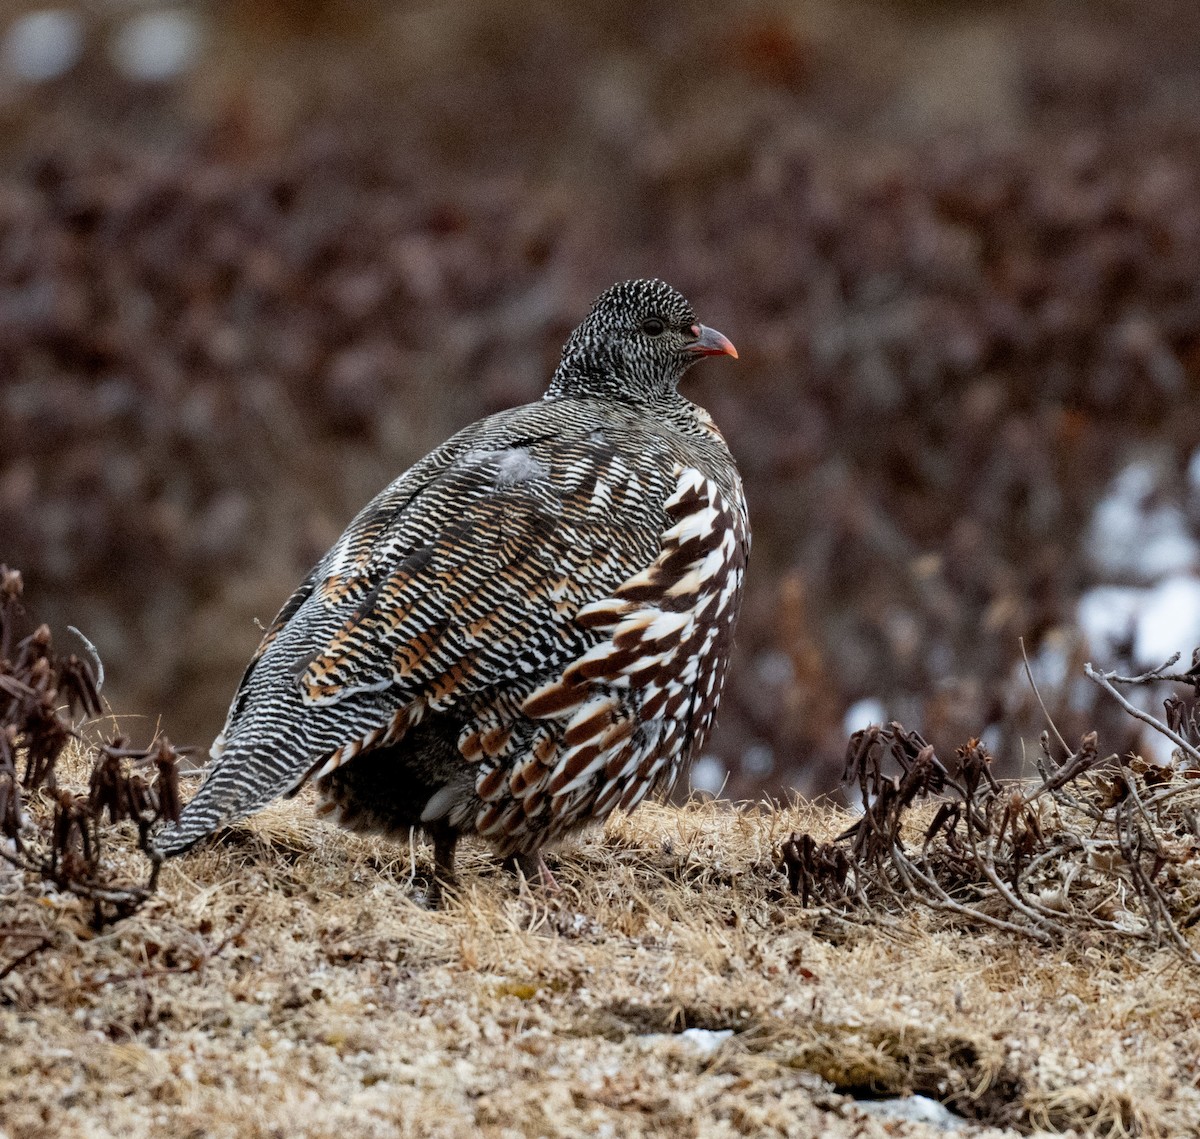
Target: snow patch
156,46
775,669
1050,664
708,774
915,1109
1159,621
1135,534
758,759
705,1040
41,46
1107,616
1169,621
1193,471
862,714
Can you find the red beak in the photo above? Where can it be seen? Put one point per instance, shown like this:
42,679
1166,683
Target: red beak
709,342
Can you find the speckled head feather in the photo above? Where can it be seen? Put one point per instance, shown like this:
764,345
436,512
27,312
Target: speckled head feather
635,345
527,629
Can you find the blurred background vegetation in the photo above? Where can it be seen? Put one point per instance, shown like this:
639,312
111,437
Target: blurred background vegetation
256,257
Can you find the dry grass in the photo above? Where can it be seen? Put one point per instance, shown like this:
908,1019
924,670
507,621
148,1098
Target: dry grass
289,982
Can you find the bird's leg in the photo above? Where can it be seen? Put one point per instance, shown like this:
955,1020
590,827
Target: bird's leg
444,844
445,841
532,866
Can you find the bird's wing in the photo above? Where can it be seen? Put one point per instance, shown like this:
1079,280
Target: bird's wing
476,579
464,574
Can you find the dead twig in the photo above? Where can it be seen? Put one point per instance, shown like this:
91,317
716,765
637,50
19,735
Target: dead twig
40,694
1039,860
1108,680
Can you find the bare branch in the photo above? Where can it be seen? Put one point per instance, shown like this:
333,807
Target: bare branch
1106,681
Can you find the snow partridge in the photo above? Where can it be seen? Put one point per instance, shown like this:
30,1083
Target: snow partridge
526,630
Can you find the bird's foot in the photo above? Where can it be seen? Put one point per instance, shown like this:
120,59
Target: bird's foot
532,867
436,894
444,878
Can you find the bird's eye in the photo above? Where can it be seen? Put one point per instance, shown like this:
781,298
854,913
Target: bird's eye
652,326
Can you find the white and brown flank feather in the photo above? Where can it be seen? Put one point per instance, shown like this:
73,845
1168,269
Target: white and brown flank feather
527,629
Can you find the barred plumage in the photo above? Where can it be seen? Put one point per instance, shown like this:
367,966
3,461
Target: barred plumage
527,629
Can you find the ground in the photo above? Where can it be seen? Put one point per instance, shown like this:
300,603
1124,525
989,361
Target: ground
291,981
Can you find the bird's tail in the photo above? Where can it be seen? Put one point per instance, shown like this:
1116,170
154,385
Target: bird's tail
272,751
240,783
